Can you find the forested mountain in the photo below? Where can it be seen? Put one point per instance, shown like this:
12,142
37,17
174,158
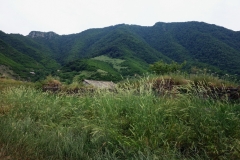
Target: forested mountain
27,58
121,50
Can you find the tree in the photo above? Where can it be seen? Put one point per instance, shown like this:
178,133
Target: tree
161,67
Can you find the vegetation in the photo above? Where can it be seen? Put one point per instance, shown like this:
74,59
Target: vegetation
170,115
88,69
161,67
7,83
114,61
127,49
134,122
25,57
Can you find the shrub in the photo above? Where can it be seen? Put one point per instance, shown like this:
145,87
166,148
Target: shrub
161,67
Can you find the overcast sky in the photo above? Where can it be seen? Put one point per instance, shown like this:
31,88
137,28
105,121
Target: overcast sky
74,16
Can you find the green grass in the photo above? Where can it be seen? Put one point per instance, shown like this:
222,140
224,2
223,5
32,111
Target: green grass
114,61
86,73
7,83
126,124
89,69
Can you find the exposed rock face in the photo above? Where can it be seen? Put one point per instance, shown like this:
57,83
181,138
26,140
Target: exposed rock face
46,35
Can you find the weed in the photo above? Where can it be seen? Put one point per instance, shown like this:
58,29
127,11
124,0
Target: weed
130,123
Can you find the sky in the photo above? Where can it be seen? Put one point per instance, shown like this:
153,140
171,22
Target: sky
74,16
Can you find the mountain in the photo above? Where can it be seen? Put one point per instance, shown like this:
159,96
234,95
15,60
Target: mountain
122,50
25,56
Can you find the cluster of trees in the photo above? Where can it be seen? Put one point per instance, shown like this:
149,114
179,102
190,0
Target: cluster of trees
87,69
161,67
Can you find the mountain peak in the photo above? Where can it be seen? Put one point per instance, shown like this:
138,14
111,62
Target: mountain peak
47,35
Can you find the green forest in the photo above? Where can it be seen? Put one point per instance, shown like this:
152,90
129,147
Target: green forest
201,45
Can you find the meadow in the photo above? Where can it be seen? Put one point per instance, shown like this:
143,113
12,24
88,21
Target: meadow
133,122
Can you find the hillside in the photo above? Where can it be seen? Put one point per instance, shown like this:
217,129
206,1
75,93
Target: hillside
23,55
200,44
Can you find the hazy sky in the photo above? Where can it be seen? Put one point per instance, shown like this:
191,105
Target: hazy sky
74,16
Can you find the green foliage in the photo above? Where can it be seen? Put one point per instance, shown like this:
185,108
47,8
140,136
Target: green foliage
6,83
161,67
200,44
131,123
88,69
114,61
23,56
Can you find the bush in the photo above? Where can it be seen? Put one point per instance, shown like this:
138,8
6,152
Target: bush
161,67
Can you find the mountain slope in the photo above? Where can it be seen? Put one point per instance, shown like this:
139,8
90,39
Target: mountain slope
199,43
23,55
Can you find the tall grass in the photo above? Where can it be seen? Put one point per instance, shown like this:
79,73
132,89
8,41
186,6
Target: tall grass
5,83
127,124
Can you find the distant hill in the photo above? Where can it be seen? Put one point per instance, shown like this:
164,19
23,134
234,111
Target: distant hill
200,44
25,56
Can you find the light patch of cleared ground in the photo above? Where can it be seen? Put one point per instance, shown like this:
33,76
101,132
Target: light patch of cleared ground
102,72
114,61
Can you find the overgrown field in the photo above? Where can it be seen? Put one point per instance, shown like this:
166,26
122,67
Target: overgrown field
130,123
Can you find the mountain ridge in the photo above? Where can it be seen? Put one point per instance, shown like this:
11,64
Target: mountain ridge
200,44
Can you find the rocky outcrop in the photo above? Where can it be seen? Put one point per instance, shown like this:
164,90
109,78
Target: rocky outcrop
46,35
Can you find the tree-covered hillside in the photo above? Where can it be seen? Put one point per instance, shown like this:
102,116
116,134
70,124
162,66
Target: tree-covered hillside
23,55
200,44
